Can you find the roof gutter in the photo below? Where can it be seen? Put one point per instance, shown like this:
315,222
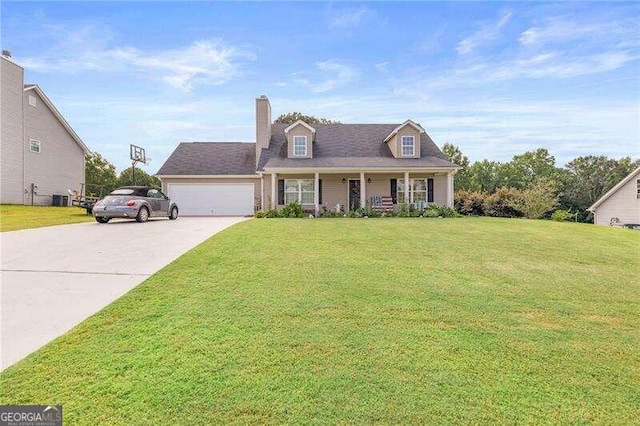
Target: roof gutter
357,169
256,176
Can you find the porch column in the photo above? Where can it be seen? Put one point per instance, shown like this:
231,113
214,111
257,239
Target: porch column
274,201
262,197
449,189
363,191
316,193
406,188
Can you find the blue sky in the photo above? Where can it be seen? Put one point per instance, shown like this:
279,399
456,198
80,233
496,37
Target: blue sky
496,79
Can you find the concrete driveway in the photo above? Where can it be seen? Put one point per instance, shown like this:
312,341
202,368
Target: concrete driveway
53,278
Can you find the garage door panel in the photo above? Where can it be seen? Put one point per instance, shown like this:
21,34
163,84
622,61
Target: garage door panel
216,199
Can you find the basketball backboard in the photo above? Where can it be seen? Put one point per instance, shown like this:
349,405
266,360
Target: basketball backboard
137,153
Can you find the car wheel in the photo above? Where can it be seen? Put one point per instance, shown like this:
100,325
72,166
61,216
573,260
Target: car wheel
143,215
102,219
174,213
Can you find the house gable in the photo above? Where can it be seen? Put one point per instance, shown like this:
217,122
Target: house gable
406,135
41,99
54,160
297,134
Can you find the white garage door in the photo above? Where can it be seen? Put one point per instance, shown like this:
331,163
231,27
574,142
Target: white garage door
212,199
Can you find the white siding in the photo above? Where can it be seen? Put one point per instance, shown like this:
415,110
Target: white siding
623,204
60,164
11,133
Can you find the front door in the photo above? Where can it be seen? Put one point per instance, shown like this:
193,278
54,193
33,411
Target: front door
354,194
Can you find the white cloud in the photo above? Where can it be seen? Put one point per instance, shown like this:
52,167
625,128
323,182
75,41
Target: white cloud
332,75
562,30
204,62
383,66
350,18
486,34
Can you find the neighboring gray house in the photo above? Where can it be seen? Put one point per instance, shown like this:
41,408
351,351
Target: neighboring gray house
621,204
38,148
326,166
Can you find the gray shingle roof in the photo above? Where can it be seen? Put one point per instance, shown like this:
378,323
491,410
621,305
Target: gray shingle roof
211,158
335,145
350,145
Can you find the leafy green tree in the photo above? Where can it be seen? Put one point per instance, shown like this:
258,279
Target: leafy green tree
539,199
292,117
485,176
532,166
142,178
100,175
453,154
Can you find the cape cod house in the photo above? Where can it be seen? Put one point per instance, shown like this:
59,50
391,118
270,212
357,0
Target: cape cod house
328,166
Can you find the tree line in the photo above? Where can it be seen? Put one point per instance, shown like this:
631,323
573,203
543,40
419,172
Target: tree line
532,185
101,177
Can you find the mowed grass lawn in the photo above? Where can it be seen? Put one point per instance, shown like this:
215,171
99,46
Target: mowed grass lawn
13,217
362,321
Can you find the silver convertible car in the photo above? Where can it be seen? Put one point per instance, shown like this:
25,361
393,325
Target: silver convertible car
135,202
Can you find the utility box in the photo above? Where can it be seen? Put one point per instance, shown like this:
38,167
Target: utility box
60,200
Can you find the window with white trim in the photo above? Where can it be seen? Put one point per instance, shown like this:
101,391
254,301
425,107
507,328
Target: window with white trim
300,146
408,144
34,146
300,190
638,188
418,190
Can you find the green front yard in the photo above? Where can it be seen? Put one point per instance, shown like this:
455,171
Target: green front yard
13,217
362,321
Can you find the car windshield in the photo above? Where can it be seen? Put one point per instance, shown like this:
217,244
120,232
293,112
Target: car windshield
122,191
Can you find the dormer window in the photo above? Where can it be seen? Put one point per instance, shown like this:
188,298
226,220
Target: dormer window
408,146
300,146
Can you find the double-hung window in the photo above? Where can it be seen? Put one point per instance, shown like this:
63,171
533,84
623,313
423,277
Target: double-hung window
408,144
300,146
300,190
419,191
638,188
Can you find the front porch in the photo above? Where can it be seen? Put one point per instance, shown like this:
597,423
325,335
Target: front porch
343,191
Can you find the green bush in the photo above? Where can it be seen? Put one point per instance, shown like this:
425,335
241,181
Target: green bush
369,212
271,213
431,211
562,215
505,202
408,210
539,199
447,212
469,203
292,210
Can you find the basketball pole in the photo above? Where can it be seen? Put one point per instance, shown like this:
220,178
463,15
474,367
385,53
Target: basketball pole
133,172
136,154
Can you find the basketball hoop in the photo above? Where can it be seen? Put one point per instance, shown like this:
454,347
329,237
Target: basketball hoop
137,155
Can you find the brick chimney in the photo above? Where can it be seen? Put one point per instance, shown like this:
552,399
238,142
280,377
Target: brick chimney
263,125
